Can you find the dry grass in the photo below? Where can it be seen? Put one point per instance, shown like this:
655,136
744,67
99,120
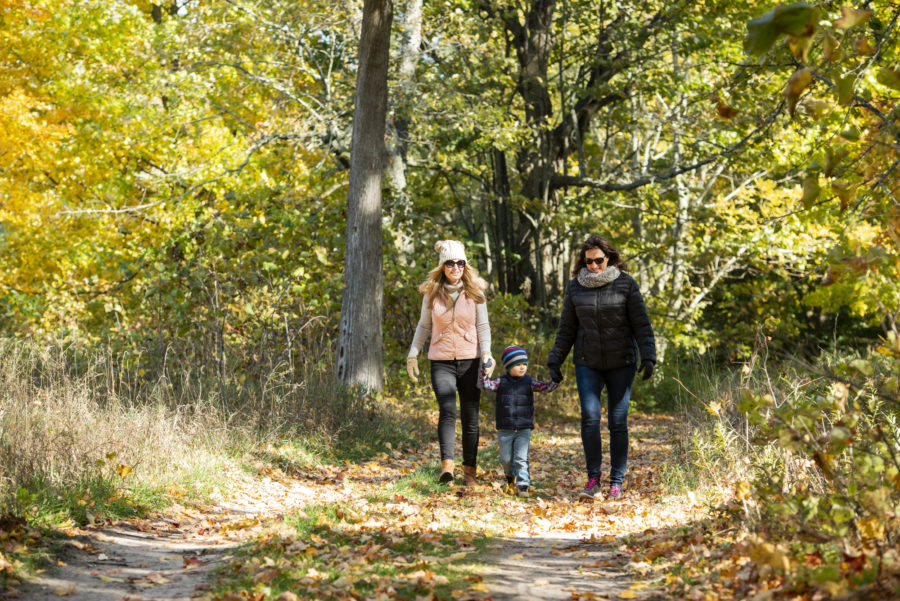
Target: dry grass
70,418
59,429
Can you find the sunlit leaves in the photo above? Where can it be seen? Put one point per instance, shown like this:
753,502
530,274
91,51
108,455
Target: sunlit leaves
849,138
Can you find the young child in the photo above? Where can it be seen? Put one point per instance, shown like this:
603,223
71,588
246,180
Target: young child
515,414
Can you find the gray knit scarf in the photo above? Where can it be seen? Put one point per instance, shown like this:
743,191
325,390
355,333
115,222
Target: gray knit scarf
454,289
595,280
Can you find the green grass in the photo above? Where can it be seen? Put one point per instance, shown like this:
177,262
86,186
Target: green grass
324,553
418,485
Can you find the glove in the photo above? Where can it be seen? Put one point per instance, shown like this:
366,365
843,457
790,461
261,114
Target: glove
412,368
647,369
488,364
555,373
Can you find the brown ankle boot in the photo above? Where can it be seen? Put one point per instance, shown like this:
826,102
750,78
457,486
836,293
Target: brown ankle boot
446,471
469,475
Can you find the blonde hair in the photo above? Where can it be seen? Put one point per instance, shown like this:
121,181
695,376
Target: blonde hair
433,286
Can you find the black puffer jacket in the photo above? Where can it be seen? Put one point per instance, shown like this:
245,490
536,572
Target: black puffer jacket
515,403
607,325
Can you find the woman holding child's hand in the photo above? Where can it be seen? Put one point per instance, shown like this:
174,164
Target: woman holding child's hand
604,317
454,320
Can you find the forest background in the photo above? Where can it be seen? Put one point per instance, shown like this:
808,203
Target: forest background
173,205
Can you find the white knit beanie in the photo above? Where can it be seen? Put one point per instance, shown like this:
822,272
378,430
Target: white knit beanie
450,250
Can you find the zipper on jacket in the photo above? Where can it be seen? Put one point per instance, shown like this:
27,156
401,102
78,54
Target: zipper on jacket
453,323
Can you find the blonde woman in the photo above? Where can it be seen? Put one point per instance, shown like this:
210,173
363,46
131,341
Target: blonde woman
454,321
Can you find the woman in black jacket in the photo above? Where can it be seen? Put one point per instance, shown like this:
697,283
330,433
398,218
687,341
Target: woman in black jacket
604,317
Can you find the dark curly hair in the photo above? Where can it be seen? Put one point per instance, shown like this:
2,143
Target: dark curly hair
595,241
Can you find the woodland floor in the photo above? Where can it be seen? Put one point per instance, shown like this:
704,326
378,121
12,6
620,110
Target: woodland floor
547,545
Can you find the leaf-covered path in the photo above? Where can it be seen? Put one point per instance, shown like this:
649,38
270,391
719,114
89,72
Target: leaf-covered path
171,556
381,529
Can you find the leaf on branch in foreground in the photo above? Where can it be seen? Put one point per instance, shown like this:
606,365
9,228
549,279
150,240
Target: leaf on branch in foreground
723,111
844,89
845,192
863,47
851,134
851,17
816,108
811,190
799,81
833,158
831,48
800,45
889,78
798,20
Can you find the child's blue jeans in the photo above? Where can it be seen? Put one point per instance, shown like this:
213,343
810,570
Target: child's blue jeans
514,454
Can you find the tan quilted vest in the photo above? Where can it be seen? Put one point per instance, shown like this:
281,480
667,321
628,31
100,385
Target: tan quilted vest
453,332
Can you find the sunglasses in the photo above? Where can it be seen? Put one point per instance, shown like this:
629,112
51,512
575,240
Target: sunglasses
597,261
451,264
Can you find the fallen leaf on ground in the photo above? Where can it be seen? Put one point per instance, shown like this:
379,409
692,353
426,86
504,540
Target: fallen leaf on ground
64,591
157,578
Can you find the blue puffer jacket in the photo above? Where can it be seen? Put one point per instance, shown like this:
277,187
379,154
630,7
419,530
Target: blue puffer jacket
515,403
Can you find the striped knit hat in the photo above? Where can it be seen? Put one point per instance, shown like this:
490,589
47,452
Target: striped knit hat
512,356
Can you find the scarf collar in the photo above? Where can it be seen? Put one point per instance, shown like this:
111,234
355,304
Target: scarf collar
595,280
454,288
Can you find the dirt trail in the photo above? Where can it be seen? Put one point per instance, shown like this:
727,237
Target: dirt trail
549,567
169,557
552,546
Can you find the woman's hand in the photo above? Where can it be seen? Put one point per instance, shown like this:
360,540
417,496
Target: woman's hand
555,373
647,369
412,368
488,364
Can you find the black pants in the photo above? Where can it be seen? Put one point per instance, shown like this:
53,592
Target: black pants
448,377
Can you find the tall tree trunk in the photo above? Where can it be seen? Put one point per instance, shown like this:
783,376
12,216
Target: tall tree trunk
360,348
399,125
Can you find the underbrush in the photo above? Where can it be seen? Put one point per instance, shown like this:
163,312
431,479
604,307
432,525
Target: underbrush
809,456
78,447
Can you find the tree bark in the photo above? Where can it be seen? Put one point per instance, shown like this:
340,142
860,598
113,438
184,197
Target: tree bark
360,344
399,126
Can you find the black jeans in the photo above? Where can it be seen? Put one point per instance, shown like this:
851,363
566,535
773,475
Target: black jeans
448,377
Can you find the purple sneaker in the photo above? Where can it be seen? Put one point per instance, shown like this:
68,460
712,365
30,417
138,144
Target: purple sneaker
590,489
615,491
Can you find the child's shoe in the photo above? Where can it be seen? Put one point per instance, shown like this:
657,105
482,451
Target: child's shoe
615,491
522,490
